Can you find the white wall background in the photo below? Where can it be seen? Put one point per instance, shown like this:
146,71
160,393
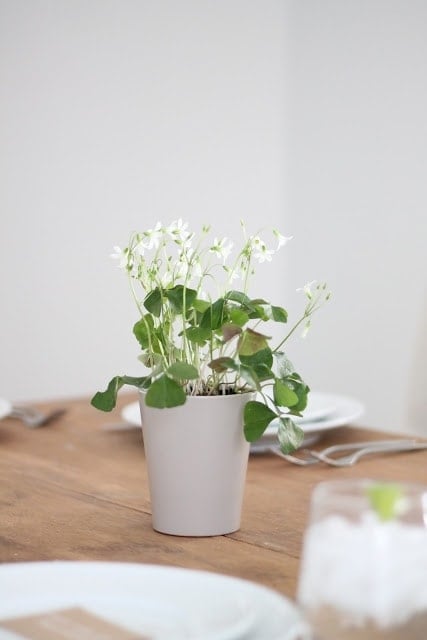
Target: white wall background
305,115
357,169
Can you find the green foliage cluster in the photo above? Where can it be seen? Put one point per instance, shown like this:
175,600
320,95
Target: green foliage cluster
197,346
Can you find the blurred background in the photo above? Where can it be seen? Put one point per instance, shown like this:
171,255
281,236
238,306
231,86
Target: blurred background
304,115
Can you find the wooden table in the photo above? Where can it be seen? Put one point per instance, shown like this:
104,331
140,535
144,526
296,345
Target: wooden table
75,490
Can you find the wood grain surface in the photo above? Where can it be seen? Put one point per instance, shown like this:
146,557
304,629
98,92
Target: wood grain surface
75,490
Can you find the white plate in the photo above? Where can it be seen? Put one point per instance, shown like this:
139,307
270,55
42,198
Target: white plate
159,601
5,408
345,411
131,414
319,406
324,411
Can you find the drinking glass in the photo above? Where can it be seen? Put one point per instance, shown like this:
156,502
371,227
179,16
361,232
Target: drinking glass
363,571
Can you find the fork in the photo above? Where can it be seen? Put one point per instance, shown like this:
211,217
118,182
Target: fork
359,449
34,418
349,460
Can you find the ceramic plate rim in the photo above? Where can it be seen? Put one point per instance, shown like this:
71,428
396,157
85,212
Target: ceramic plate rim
346,410
5,408
326,406
254,594
131,413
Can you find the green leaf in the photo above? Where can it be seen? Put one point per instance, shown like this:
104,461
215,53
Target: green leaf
148,336
230,330
252,308
200,305
283,396
263,372
301,389
262,357
257,311
279,314
385,500
198,335
182,371
180,295
106,400
289,434
165,393
223,364
257,416
237,296
250,377
260,363
284,365
153,361
239,317
213,317
251,342
301,405
142,330
153,302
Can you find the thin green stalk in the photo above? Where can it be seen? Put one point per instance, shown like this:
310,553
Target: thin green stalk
304,317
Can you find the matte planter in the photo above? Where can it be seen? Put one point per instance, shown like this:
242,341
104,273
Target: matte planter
197,458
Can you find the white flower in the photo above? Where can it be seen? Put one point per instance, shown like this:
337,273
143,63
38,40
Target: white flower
260,251
281,240
187,239
166,279
306,328
152,237
122,255
307,289
141,247
180,270
264,255
196,269
187,266
233,274
221,249
178,231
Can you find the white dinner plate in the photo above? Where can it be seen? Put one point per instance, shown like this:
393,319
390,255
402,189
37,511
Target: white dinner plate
324,411
343,411
164,603
5,408
131,414
319,406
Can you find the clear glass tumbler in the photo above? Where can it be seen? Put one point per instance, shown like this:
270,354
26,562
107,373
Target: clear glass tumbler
363,571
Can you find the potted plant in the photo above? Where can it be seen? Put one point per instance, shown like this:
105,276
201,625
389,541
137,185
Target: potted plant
205,351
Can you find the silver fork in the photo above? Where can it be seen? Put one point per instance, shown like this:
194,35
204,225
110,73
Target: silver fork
34,418
349,460
358,448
